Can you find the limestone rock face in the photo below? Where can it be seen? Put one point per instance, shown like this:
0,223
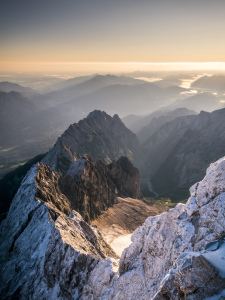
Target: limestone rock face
125,177
178,254
45,253
92,187
193,278
100,136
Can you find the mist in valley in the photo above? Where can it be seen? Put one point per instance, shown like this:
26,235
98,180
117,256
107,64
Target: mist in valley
37,109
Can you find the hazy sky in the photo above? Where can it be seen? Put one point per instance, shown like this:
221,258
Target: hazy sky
39,33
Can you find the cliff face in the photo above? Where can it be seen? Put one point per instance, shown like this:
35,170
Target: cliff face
92,187
176,255
100,136
47,251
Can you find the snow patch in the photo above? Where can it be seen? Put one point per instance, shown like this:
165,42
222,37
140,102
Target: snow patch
217,258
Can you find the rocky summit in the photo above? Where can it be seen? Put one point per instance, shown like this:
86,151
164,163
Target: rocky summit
100,136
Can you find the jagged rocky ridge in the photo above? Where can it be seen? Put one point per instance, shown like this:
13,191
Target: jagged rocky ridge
89,187
92,187
47,250
162,262
100,136
49,253
176,255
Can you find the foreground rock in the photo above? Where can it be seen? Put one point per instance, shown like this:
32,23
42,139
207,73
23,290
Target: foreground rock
167,259
49,252
46,251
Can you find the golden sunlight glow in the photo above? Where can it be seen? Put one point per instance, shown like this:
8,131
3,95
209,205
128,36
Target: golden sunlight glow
102,67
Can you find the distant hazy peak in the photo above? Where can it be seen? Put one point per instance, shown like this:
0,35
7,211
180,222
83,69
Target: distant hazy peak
6,86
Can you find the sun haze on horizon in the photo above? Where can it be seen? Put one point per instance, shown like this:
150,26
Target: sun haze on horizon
49,35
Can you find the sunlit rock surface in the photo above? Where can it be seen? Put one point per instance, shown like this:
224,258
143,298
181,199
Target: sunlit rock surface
46,251
171,256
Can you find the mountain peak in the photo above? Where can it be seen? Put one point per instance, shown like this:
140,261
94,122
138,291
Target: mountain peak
98,135
97,114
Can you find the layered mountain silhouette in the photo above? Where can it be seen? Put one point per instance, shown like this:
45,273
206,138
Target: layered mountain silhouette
71,100
180,151
145,126
176,147
7,87
215,83
47,250
14,109
76,87
202,101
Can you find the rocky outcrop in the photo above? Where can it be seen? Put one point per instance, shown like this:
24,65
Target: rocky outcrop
177,255
46,252
92,187
100,136
193,278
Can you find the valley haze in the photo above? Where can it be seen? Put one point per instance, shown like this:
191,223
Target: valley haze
112,150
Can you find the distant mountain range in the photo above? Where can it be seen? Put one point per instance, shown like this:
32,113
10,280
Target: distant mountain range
148,124
179,152
176,147
215,83
28,131
15,108
202,101
50,250
7,87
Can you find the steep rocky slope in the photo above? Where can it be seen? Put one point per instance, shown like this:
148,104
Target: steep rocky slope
159,145
158,119
179,152
199,145
10,183
100,136
177,255
46,250
92,187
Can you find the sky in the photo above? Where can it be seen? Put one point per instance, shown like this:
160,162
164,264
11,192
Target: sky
68,34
